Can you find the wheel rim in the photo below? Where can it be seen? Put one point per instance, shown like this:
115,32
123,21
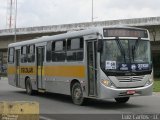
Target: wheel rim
77,95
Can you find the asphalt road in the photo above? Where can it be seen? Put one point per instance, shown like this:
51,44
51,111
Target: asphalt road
57,106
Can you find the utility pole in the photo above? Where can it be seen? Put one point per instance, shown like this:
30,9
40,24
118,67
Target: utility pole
10,13
92,11
15,24
12,17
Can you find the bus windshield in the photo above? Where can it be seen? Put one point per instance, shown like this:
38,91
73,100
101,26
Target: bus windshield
126,55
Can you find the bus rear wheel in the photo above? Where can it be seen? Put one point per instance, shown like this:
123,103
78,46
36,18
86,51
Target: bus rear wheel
77,94
122,100
29,90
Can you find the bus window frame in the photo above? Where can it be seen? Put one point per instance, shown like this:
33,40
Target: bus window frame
24,57
49,51
13,55
32,54
62,51
76,50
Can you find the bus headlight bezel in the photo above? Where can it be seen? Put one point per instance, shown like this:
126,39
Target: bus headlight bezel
150,81
107,83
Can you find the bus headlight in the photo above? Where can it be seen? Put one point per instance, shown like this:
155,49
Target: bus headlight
150,81
107,83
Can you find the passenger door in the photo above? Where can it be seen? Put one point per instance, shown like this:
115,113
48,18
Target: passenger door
92,67
40,60
17,61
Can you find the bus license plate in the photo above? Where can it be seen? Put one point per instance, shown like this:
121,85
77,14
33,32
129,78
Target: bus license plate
131,92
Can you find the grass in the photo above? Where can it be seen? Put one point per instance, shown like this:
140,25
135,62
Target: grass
156,86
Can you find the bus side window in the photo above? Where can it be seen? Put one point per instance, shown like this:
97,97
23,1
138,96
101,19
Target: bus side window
11,55
31,53
75,49
59,51
24,54
48,51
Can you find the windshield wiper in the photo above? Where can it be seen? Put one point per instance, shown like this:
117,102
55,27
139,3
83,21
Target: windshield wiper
134,47
121,48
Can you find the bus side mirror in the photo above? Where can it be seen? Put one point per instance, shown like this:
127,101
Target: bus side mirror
100,45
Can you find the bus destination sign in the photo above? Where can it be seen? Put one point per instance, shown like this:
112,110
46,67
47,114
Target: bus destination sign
119,32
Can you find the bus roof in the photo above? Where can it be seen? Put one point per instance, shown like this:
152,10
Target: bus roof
55,37
71,34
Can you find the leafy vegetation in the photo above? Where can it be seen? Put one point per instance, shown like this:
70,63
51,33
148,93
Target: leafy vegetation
156,87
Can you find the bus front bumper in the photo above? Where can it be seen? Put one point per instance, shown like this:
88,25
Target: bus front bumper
110,93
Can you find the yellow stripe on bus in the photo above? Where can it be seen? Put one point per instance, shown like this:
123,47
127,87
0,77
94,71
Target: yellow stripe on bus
29,70
65,71
11,70
41,71
59,71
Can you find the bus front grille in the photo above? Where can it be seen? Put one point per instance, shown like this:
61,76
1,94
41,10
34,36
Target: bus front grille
130,78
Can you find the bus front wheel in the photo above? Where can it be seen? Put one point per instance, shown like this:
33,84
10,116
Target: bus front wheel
77,94
122,100
29,87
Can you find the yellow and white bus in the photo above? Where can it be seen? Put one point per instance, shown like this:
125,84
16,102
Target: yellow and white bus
98,63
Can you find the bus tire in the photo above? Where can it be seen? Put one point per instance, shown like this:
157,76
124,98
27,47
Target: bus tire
122,100
29,89
77,94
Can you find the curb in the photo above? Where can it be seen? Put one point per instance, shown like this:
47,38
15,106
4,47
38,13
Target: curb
156,93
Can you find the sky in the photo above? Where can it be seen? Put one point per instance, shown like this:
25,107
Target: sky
32,13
